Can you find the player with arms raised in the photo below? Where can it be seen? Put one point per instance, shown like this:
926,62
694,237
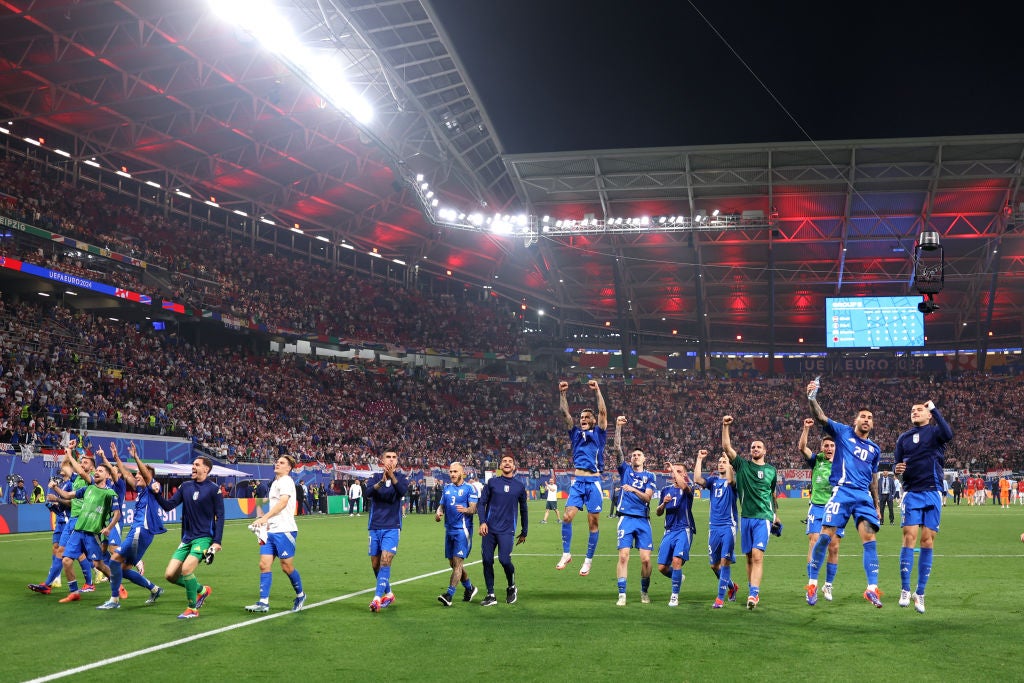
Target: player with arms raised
587,442
855,473
676,504
721,523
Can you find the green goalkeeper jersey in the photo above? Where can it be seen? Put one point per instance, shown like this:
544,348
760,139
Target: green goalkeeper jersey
821,490
95,509
755,485
76,502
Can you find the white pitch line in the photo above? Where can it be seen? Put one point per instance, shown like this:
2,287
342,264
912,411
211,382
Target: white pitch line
223,629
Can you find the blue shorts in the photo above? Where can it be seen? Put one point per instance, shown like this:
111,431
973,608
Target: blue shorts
58,531
65,534
135,545
921,509
586,491
754,534
384,540
722,544
635,532
846,504
675,544
83,543
282,544
458,543
815,514
114,539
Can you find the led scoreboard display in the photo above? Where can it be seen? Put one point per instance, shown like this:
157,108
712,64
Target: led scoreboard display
873,322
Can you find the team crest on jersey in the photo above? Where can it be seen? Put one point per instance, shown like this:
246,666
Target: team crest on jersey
195,495
917,438
760,475
506,488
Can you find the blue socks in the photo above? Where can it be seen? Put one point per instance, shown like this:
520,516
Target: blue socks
871,562
116,578
297,581
906,567
55,567
924,569
266,578
137,578
724,580
818,556
677,580
566,536
645,584
622,586
383,582
591,544
830,572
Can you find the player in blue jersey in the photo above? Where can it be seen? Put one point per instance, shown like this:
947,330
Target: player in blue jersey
722,523
202,529
920,459
502,497
385,490
146,523
458,505
633,510
855,496
821,490
61,515
676,504
587,442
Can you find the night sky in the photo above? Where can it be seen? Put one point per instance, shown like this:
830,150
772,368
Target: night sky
558,75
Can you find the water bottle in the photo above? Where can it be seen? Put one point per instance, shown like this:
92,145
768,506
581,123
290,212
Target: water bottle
813,393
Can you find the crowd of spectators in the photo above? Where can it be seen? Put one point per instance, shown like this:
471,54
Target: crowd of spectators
207,269
59,367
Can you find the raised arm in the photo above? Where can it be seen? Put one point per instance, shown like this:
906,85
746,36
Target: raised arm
602,410
77,466
563,404
802,443
144,470
698,475
816,412
730,452
620,455
127,474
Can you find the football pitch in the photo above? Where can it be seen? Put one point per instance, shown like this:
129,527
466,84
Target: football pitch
563,627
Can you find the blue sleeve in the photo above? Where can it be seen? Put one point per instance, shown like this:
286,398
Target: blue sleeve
945,431
218,523
80,493
523,512
485,499
169,503
897,453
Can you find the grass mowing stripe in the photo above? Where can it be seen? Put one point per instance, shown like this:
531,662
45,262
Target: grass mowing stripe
224,629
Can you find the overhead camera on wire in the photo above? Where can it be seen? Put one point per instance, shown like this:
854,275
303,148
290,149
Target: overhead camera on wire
929,269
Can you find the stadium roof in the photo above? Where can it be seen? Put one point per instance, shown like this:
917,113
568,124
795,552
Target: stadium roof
168,93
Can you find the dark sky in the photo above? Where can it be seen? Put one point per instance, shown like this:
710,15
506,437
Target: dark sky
570,75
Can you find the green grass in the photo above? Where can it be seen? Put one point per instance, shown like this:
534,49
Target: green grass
564,627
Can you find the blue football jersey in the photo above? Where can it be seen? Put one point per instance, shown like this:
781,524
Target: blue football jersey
723,501
857,458
630,504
